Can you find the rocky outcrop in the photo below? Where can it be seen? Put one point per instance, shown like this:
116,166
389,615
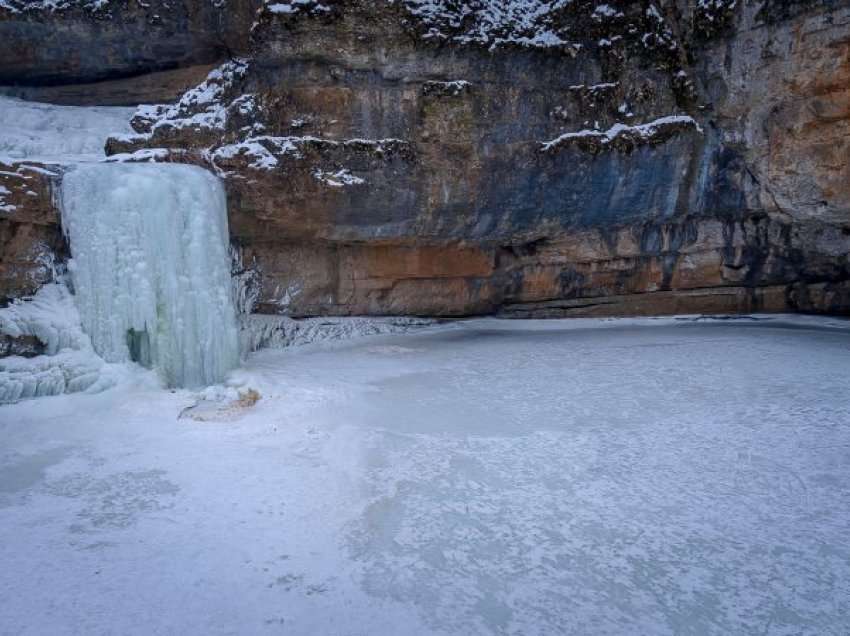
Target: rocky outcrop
75,41
24,346
30,239
533,158
157,86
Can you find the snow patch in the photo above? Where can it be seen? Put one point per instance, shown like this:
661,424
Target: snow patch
338,179
295,6
643,131
526,23
262,151
201,107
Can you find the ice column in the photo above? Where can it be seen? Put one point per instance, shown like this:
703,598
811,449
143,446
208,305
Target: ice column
151,267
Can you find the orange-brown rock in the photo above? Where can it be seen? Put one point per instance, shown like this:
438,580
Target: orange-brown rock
675,158
30,238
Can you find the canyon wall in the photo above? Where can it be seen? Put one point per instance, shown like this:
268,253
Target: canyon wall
443,158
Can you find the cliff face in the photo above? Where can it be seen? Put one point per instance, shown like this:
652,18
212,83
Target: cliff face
49,42
530,158
30,240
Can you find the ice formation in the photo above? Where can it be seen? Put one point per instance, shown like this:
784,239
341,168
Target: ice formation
69,365
47,132
279,332
151,269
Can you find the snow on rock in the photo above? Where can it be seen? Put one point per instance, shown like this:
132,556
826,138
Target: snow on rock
264,152
295,7
51,133
20,6
491,23
660,36
713,9
602,87
338,179
202,107
4,205
605,11
712,16
626,136
151,268
92,6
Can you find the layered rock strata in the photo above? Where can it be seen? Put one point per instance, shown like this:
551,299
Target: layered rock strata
530,159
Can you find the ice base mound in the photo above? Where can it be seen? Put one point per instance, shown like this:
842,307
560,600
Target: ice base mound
69,364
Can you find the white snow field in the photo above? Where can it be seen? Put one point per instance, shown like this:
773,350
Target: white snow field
487,477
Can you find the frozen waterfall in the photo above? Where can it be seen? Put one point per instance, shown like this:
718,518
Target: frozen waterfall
58,134
150,267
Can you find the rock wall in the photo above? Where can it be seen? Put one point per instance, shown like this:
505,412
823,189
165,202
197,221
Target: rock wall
30,240
47,42
525,158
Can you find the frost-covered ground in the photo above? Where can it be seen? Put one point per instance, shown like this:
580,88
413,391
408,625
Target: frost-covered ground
595,477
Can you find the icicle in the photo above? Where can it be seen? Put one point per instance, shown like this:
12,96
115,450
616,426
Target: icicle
151,268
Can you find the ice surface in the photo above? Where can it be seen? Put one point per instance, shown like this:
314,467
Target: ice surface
46,132
151,267
622,477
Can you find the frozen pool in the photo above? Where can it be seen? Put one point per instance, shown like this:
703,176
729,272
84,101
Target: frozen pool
487,477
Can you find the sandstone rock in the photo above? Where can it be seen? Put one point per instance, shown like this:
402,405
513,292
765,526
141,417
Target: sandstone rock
581,159
30,239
